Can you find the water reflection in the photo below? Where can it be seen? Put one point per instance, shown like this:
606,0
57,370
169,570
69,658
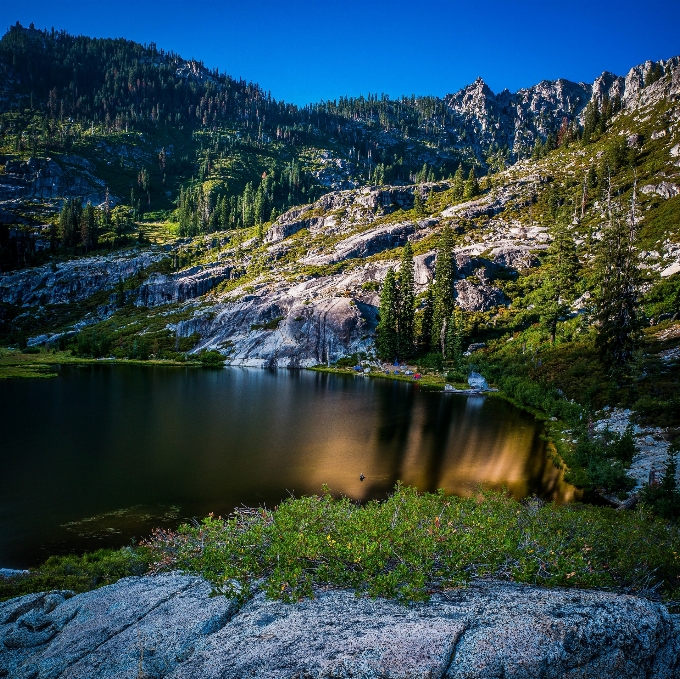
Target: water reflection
110,438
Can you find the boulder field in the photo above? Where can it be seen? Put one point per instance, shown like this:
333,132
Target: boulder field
171,626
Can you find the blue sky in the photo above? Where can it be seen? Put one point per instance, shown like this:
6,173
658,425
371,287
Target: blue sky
304,51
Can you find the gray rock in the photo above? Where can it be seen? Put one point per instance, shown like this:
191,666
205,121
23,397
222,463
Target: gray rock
46,179
169,626
366,244
664,189
8,573
514,257
75,280
178,287
471,297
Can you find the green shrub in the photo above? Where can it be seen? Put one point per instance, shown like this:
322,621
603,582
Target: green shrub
211,358
78,573
412,544
268,325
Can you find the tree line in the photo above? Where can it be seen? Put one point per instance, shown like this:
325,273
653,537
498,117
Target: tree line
438,325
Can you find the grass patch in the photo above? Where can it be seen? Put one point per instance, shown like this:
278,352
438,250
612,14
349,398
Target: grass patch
413,544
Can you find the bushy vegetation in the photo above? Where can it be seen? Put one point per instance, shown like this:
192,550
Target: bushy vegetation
413,544
78,573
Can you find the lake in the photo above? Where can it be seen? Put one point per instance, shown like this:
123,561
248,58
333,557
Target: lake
100,455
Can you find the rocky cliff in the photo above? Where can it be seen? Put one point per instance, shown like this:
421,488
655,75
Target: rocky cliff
170,626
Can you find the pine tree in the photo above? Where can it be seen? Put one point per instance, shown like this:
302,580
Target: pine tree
418,204
424,319
88,227
471,185
443,293
407,301
458,183
453,349
559,278
618,276
387,339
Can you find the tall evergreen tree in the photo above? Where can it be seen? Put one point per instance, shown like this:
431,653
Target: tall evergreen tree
387,340
559,279
418,203
443,293
453,348
471,185
407,301
88,227
425,321
618,277
458,183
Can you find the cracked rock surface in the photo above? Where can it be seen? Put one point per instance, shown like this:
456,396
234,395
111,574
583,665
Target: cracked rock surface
169,626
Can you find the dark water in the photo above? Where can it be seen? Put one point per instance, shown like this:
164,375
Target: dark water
103,454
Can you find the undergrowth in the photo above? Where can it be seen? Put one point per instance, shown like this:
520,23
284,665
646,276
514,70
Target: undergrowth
413,544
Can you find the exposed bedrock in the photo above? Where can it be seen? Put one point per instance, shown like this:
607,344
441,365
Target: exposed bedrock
178,287
170,626
293,328
74,280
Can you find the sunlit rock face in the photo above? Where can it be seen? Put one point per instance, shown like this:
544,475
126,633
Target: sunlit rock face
170,626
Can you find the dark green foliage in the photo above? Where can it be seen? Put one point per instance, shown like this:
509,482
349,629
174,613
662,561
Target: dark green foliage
618,277
443,291
664,297
606,458
458,183
423,321
407,303
618,156
560,277
78,573
418,203
413,544
387,332
656,72
471,188
211,359
453,346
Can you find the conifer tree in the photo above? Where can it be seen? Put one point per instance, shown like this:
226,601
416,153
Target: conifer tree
458,183
418,204
88,227
443,292
471,185
453,349
425,320
618,276
387,339
559,280
407,300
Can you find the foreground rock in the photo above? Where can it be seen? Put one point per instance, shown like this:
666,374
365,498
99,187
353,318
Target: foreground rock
169,626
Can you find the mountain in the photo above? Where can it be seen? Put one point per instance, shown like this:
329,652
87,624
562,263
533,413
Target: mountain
226,226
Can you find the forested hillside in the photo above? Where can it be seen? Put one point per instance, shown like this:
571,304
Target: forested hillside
151,208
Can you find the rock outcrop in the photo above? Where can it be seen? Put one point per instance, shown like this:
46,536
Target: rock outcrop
75,280
471,297
181,286
47,179
170,626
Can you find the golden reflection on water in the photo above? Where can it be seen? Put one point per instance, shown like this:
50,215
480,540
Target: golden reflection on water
209,441
455,448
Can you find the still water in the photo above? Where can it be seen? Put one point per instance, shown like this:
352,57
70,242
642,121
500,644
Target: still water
101,455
